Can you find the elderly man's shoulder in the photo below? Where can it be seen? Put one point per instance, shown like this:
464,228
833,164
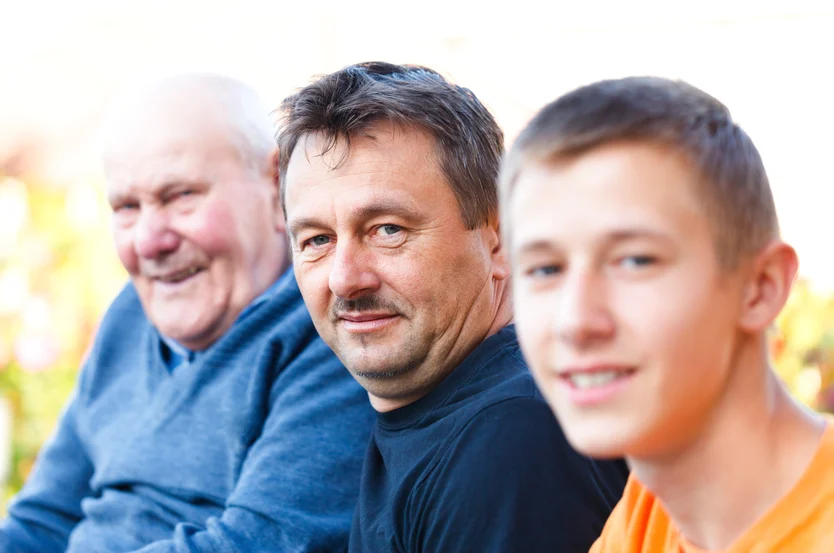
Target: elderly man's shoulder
125,307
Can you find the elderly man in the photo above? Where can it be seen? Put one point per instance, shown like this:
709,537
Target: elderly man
390,190
209,416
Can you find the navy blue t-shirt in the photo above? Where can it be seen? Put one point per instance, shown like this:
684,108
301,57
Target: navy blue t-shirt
480,465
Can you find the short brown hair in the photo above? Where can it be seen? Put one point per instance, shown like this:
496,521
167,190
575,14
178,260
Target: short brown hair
351,101
735,187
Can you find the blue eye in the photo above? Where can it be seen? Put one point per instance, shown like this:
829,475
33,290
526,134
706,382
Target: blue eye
636,261
127,206
543,271
390,229
319,240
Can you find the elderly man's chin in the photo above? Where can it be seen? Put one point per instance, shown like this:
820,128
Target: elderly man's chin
191,330
186,320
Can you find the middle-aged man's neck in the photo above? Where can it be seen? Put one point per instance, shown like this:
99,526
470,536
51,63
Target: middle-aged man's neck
751,452
500,315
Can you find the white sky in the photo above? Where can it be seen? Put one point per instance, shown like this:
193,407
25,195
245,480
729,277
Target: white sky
61,63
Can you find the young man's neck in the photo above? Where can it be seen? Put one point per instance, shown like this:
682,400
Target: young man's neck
744,460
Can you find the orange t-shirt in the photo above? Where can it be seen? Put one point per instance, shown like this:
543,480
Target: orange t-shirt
801,522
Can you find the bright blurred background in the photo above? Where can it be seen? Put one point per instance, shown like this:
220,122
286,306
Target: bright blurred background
62,63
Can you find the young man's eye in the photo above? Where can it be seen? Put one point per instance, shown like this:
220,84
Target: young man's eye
544,271
638,261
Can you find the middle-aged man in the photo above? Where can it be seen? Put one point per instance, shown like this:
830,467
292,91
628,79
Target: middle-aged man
389,176
209,416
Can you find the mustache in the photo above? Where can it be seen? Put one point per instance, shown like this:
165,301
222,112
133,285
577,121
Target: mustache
371,302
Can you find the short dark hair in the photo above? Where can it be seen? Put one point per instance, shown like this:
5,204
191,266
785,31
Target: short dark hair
734,185
351,101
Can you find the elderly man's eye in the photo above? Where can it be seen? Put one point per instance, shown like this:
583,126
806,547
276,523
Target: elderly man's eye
126,206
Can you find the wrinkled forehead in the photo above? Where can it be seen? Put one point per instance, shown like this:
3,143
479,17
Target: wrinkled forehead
393,162
152,152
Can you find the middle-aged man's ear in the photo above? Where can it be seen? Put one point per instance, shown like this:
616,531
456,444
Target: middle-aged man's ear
770,280
500,260
277,207
274,164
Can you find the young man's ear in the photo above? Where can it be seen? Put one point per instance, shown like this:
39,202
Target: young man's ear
766,292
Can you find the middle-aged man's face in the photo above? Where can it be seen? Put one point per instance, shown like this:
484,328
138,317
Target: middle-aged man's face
395,283
197,228
626,317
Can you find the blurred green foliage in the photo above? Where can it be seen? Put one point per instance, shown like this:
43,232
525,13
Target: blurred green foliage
58,273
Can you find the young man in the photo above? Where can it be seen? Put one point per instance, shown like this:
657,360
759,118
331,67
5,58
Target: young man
389,178
647,270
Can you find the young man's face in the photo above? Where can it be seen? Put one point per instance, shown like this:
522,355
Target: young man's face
623,312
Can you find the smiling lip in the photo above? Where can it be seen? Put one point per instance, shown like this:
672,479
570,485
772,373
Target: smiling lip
366,322
177,277
595,384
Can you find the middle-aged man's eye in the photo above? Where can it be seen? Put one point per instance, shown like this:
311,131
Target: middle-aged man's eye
390,230
317,241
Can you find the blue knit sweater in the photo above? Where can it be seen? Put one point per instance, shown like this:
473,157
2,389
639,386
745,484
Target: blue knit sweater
255,446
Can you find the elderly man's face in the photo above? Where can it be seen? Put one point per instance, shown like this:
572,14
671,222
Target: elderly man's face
198,229
395,283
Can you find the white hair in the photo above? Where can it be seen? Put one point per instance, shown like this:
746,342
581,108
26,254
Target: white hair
234,105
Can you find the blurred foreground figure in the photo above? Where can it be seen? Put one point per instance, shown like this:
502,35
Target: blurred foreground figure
209,416
390,185
648,268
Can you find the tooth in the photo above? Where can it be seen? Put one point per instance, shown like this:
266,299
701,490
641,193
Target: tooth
592,380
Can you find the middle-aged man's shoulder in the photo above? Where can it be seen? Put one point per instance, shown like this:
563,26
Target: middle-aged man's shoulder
474,451
406,278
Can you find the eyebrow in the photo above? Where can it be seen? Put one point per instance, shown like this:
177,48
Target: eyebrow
544,245
165,188
628,234
537,246
115,198
369,211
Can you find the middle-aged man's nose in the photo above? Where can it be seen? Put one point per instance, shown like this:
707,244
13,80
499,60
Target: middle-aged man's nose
351,275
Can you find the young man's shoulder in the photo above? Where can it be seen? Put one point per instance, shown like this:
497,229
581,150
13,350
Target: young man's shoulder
638,524
801,522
